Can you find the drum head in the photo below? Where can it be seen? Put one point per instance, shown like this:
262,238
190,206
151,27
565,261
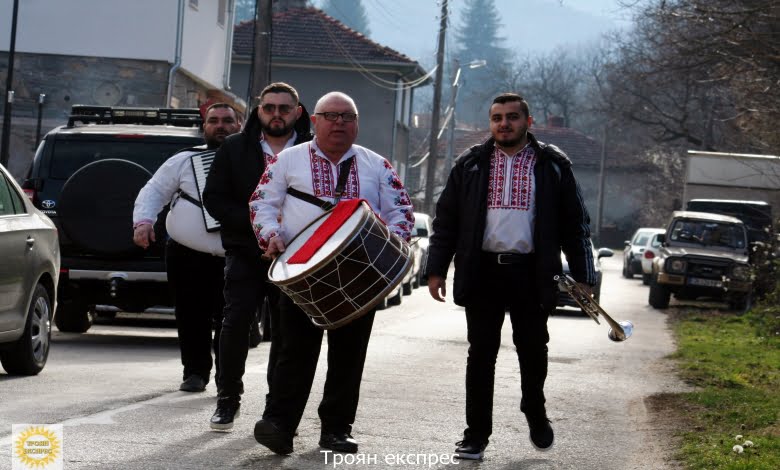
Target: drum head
282,271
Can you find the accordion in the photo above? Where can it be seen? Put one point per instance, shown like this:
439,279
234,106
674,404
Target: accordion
201,164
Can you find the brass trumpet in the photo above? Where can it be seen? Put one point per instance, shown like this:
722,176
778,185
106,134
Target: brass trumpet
619,331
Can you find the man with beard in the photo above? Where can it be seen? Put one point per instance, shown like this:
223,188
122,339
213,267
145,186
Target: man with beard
194,258
509,207
278,122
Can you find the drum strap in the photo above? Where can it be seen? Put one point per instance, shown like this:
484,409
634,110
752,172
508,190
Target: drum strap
344,170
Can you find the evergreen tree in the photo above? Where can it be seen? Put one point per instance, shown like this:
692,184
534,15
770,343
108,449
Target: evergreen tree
350,12
476,38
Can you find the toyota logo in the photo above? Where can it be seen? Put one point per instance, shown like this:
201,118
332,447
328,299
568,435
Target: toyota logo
48,204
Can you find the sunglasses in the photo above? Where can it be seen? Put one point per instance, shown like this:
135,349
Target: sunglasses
332,116
284,109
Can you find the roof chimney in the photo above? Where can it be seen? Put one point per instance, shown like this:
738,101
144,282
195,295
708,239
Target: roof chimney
555,121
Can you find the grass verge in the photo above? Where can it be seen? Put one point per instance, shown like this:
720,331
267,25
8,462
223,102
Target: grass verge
734,363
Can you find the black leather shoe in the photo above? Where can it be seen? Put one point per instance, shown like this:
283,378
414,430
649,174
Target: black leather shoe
227,412
269,435
470,449
541,433
339,442
193,383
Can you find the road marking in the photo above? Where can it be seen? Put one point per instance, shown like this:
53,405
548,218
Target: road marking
107,416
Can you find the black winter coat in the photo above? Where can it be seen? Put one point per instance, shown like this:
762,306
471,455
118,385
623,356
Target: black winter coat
561,222
232,179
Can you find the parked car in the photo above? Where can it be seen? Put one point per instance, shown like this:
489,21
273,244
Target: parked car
564,299
634,248
85,176
421,236
702,255
650,252
29,273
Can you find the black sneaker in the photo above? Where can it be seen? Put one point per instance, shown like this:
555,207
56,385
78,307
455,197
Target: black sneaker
339,442
470,449
193,383
269,435
227,412
541,432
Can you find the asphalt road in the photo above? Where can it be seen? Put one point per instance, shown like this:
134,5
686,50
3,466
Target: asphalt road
115,390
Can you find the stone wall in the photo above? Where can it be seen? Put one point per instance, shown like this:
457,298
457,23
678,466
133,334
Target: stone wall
69,80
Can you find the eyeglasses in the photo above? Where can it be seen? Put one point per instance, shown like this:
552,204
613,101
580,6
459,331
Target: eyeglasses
331,116
284,109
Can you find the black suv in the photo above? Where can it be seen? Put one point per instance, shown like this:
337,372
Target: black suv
85,176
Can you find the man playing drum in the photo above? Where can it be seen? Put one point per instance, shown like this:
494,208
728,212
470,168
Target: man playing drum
314,168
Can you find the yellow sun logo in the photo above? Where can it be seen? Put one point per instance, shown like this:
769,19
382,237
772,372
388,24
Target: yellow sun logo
37,447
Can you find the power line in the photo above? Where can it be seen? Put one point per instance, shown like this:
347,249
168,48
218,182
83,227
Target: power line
370,76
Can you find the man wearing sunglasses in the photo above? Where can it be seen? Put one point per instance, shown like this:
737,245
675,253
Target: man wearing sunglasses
313,171
278,122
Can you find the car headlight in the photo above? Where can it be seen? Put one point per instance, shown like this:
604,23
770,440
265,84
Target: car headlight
676,265
741,272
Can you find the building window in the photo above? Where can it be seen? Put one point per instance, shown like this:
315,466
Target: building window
221,12
194,4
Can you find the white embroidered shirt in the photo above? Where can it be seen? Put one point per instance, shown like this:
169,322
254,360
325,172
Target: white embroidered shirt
306,168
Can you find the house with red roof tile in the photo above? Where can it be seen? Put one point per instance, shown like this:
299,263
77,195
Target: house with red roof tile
316,54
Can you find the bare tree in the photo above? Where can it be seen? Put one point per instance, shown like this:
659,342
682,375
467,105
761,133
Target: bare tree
703,73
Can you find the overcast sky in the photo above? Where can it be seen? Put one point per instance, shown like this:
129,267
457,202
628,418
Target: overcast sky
529,26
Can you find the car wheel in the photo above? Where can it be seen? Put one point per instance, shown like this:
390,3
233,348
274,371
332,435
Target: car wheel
74,316
422,279
396,299
27,356
626,273
406,289
597,292
659,295
646,279
741,304
100,225
416,281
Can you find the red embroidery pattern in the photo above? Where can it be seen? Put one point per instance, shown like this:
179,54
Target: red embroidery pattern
322,178
521,180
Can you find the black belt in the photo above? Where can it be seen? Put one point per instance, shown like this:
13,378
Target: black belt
508,258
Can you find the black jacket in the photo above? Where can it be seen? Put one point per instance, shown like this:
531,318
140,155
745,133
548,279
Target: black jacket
232,179
561,222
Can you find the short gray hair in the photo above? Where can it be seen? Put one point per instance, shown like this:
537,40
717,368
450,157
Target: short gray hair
334,94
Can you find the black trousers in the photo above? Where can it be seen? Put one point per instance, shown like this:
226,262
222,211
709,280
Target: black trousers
301,342
196,279
245,287
504,286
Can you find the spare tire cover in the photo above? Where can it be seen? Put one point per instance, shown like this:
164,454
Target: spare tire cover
96,205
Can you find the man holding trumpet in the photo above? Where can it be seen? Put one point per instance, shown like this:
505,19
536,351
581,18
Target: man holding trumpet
509,206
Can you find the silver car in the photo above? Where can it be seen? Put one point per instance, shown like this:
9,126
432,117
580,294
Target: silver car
634,250
29,272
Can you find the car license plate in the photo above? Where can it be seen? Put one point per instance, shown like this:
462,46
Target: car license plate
695,281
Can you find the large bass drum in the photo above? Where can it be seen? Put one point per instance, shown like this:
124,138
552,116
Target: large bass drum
356,267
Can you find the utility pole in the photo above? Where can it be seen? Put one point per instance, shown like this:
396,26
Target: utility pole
451,138
430,174
261,61
9,94
600,211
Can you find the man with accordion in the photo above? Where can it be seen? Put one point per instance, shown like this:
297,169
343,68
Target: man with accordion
194,257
